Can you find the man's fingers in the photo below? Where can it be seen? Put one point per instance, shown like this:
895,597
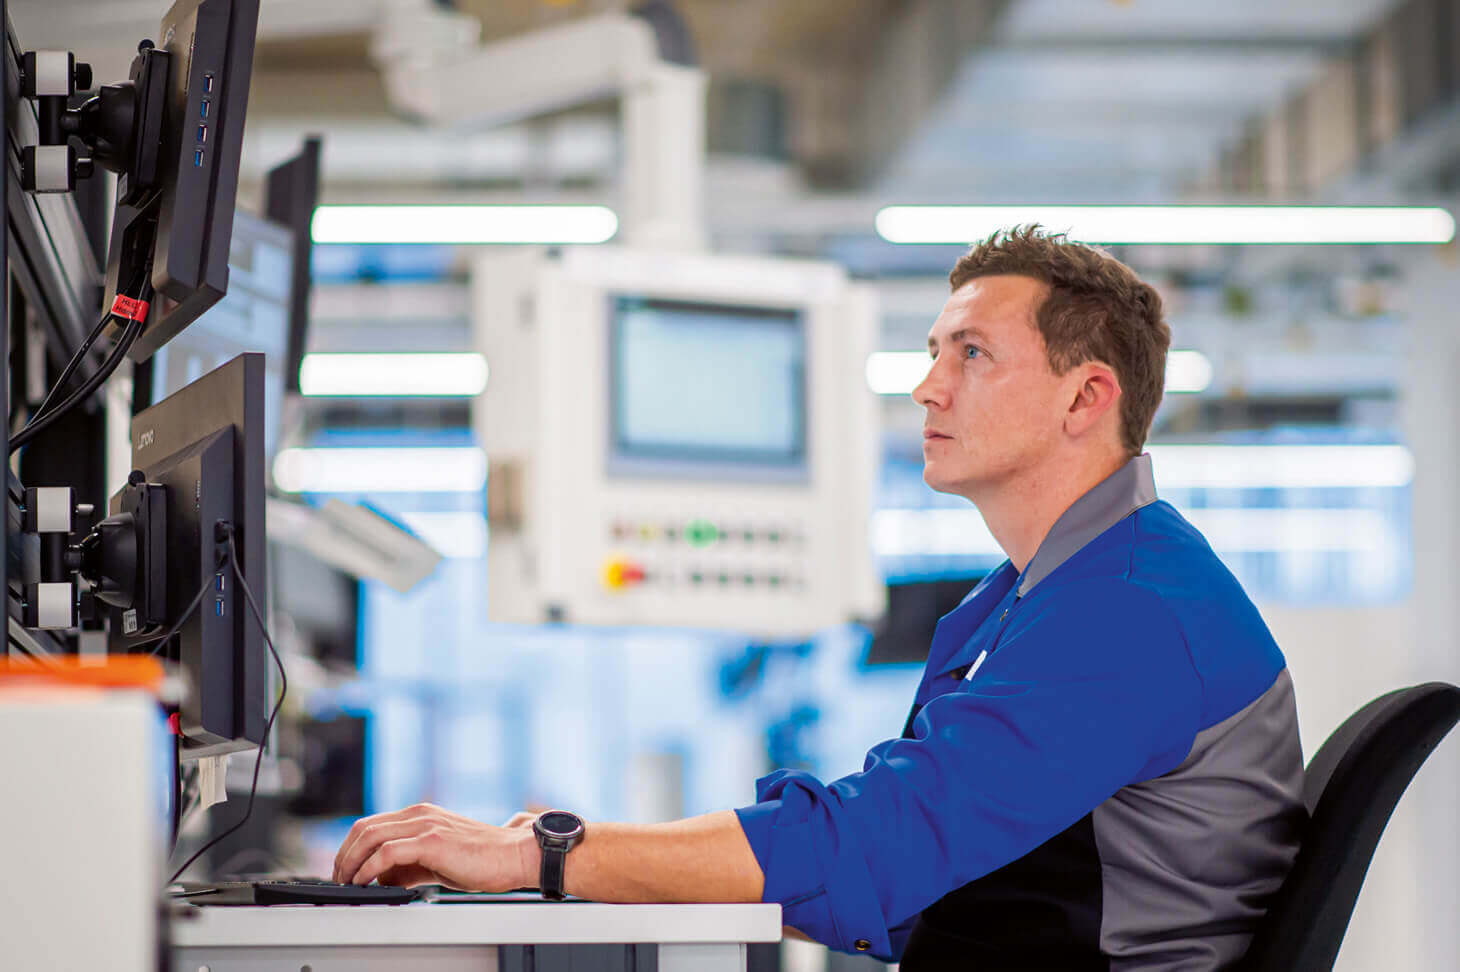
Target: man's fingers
399,855
369,840
351,838
364,823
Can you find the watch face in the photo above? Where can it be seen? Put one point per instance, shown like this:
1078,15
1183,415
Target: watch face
560,823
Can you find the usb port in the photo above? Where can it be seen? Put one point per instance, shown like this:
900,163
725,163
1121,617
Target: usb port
198,158
218,607
220,583
202,133
203,108
207,82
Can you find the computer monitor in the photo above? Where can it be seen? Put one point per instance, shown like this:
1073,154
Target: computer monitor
254,316
292,195
204,445
181,222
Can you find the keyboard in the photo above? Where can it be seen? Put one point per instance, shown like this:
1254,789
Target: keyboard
289,891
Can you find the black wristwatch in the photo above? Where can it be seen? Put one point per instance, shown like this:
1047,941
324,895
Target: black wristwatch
558,832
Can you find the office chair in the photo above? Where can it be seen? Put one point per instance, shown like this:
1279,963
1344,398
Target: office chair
1351,786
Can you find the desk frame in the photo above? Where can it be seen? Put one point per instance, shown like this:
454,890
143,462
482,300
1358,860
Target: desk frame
432,937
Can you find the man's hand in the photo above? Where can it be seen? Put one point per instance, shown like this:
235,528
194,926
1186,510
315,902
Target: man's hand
425,844
700,859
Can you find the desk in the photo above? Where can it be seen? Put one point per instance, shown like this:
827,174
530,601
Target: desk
433,937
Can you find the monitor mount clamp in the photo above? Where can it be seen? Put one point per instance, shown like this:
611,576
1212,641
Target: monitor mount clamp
121,125
123,558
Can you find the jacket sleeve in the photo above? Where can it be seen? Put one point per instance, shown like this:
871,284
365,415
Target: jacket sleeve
1074,703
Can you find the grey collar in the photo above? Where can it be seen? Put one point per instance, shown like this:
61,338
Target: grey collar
1111,500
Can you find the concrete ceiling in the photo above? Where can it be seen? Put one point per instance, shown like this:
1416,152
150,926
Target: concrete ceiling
974,100
1117,101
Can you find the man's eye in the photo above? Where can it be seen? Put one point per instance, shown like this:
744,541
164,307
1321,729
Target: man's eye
972,351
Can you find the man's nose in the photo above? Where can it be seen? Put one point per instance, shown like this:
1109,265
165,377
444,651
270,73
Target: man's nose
932,391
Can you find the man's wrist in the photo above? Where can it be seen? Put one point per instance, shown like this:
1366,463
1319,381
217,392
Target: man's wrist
529,858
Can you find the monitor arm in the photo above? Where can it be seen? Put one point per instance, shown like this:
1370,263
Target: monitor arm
436,70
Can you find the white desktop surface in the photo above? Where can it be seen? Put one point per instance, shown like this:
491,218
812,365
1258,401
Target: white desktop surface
708,937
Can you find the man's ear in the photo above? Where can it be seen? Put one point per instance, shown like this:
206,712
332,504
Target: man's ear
1096,395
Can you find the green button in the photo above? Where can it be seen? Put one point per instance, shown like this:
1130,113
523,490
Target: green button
701,533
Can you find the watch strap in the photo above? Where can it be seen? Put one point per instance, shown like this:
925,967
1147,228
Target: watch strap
550,873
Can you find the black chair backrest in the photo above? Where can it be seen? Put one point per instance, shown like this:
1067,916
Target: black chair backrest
1351,786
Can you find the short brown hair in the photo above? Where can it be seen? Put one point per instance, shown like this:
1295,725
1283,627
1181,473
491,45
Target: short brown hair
1097,310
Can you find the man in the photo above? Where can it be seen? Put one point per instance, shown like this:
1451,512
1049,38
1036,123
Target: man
1101,769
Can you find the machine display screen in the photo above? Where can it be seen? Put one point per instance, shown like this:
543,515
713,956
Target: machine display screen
708,384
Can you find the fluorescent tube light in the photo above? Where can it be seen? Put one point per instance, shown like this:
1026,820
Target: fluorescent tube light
1233,530
899,372
1173,224
406,470
1187,372
437,374
458,535
1280,466
465,224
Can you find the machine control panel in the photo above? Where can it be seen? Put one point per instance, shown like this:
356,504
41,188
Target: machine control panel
691,436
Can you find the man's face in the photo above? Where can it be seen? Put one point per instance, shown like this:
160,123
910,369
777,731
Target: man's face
994,407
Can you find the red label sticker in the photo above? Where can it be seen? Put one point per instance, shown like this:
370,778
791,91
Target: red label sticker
134,310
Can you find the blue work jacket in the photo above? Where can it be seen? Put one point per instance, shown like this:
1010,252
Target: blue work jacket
1102,762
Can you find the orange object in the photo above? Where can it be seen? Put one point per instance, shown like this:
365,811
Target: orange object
119,671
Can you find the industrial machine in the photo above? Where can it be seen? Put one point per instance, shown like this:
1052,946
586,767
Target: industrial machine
676,438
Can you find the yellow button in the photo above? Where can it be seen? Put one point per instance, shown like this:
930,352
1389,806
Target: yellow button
862,944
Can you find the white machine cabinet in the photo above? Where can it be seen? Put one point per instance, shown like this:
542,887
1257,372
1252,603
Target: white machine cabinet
83,828
677,439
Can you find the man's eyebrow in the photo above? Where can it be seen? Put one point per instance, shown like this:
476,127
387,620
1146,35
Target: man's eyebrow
959,335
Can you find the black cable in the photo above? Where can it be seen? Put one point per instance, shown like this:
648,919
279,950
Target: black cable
109,364
113,361
80,354
73,364
283,691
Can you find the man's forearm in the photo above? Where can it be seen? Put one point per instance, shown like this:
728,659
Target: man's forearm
699,859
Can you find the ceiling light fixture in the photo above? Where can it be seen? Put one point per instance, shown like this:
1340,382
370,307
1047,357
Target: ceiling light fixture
463,224
451,469
445,374
1291,225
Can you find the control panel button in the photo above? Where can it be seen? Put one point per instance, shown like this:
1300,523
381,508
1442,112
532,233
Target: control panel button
620,573
701,533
